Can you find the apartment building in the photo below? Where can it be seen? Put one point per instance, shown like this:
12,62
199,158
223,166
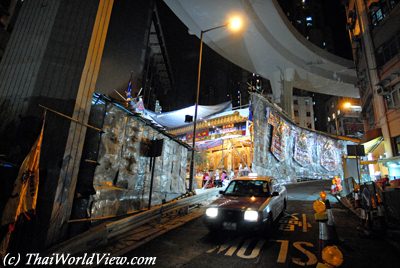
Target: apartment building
374,30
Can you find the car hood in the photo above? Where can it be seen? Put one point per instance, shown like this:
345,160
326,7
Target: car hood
240,202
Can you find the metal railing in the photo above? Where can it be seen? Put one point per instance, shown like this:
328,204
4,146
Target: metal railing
99,236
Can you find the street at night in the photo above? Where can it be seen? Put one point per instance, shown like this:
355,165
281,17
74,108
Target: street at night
200,133
193,246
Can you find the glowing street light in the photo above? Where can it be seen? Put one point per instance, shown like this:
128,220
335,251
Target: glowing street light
347,105
234,24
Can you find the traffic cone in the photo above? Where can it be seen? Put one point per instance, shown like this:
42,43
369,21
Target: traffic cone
366,223
357,201
363,216
381,213
333,237
323,236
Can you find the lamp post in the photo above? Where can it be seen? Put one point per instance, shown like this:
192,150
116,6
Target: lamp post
234,24
336,124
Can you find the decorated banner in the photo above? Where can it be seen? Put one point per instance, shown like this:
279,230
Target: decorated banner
328,154
273,119
280,136
303,148
200,135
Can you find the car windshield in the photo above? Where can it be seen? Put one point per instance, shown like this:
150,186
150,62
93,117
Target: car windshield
248,188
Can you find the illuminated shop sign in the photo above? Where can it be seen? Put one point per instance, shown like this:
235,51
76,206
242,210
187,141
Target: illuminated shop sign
199,135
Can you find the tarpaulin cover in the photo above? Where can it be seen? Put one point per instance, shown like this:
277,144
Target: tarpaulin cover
122,179
176,118
287,152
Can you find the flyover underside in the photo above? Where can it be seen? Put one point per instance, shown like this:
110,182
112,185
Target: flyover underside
269,46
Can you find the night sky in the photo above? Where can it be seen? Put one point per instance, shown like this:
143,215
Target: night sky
336,18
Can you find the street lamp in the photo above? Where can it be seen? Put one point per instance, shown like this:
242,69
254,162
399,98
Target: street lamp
345,106
234,24
335,116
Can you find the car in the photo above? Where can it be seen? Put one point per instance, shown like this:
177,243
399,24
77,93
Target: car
248,203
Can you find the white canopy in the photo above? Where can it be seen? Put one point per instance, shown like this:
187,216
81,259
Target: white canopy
176,118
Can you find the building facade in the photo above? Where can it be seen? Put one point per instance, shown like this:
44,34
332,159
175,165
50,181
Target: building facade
314,20
58,54
344,117
303,112
374,30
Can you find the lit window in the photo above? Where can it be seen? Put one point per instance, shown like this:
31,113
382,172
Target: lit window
329,119
333,115
308,18
338,112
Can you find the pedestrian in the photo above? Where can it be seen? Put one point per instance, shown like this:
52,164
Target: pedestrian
208,182
232,174
246,171
385,182
224,177
206,177
217,179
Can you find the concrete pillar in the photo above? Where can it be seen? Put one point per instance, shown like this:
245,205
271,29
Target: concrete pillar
76,137
282,89
276,85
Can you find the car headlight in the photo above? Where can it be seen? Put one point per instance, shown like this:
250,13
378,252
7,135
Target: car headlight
212,212
250,215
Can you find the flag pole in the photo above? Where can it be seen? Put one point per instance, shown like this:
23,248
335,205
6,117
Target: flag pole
70,118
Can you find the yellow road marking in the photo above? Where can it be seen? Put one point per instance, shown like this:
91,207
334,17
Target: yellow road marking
254,253
304,223
283,251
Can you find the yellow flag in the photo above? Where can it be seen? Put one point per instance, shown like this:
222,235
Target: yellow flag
25,192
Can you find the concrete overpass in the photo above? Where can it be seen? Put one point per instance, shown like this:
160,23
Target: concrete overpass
269,46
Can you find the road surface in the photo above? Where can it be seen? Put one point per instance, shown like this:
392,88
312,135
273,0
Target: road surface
293,243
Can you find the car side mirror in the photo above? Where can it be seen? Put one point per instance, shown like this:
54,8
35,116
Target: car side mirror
221,192
275,194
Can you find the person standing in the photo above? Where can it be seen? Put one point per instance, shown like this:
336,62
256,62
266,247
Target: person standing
232,174
206,177
217,179
224,177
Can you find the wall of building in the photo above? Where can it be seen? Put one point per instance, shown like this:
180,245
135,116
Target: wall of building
374,30
125,47
288,152
303,112
43,64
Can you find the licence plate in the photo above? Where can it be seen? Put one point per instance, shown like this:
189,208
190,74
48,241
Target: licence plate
229,225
